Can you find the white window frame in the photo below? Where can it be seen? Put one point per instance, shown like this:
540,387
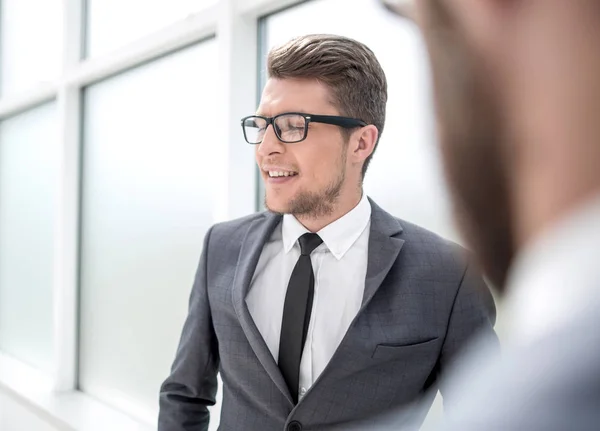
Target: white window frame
234,23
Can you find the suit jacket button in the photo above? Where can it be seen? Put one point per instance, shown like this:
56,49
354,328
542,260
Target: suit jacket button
294,426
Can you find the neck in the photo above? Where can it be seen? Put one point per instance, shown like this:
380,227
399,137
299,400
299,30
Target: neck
315,223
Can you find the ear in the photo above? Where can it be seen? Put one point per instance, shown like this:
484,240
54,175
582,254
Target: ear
363,143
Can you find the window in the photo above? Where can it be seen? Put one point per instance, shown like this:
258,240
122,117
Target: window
31,45
148,176
28,178
114,23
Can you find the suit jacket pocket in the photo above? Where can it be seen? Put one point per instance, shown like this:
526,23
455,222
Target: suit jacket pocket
401,351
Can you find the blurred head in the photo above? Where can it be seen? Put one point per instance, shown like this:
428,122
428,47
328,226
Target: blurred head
471,130
515,85
322,75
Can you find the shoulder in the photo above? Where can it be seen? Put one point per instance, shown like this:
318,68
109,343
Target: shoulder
224,241
236,228
424,238
423,251
431,249
416,238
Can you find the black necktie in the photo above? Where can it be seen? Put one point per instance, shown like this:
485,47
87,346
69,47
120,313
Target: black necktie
296,313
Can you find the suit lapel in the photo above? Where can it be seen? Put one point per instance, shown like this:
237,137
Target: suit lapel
256,236
383,249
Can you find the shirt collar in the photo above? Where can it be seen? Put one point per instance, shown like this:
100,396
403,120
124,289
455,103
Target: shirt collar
556,277
338,236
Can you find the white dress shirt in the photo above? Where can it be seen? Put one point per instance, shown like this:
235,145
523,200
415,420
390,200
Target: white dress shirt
556,277
340,268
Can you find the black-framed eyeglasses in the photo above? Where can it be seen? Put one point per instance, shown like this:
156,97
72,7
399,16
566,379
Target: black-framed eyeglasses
291,127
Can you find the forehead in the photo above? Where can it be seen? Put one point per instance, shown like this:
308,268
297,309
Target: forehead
295,95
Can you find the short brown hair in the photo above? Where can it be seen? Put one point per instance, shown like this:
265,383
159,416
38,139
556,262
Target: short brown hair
346,66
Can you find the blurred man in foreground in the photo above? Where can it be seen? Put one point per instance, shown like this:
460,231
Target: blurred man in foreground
517,92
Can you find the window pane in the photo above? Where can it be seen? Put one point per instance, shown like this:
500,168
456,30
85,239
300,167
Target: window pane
31,42
114,23
147,202
405,175
28,172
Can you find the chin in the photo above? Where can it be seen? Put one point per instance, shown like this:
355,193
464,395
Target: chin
276,205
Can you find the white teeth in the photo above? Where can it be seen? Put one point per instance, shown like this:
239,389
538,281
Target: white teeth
274,174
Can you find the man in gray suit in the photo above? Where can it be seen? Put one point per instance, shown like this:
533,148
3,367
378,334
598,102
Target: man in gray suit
324,310
517,87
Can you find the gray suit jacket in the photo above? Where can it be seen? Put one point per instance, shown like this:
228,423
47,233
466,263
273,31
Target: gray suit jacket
422,302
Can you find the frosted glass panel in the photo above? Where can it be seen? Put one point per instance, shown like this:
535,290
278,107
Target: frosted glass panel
28,173
31,42
114,23
405,175
148,173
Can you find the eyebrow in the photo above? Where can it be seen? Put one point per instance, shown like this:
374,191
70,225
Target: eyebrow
301,111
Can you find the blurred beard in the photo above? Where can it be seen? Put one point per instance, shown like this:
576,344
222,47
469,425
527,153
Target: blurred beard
473,143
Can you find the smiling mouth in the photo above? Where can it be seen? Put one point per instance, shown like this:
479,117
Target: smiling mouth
280,174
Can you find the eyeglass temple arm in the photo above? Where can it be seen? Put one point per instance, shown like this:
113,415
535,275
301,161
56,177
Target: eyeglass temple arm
337,121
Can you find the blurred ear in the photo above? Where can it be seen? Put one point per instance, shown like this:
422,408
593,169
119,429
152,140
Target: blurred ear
363,143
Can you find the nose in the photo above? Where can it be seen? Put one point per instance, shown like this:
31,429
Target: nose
270,143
